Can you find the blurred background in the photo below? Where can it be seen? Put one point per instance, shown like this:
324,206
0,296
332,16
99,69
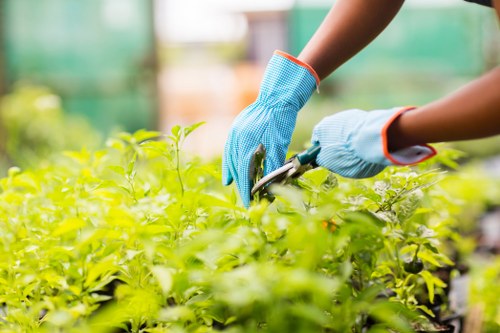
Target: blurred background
72,72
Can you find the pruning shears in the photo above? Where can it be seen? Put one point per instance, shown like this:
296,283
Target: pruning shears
293,168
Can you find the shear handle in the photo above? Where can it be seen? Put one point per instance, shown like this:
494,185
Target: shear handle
309,155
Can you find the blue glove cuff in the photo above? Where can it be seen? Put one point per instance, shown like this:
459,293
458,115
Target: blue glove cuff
287,80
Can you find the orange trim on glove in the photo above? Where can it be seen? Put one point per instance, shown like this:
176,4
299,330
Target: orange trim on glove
385,144
300,63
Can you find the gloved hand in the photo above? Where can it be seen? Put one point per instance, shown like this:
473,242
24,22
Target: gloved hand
354,143
287,85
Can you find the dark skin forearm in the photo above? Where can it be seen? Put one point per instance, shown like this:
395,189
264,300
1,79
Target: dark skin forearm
349,27
470,113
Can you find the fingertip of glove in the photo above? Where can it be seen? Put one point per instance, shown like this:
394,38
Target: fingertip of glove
246,202
227,178
245,189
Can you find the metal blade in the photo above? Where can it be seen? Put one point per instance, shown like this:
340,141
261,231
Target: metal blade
275,176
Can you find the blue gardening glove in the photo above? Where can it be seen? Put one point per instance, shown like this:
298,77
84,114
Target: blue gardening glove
354,143
287,85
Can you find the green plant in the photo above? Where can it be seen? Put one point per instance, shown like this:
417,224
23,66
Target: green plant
484,292
139,238
402,228
35,127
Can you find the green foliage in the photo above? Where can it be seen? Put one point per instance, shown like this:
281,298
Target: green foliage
484,292
35,127
139,238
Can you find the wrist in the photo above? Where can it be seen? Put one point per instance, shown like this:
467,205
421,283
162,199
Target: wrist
300,63
287,82
399,132
401,144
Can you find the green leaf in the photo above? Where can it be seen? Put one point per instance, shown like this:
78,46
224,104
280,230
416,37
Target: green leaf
394,315
81,157
59,318
127,137
177,313
429,281
116,144
189,129
143,135
432,248
120,217
316,177
154,229
430,258
68,225
96,270
117,169
175,133
310,313
13,171
131,165
426,310
164,277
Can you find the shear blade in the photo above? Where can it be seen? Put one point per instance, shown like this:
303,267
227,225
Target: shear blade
276,176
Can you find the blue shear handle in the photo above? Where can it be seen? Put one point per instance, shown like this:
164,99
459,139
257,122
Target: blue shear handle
309,155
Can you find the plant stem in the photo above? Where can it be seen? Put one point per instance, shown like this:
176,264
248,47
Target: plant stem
177,157
416,252
132,188
405,297
396,250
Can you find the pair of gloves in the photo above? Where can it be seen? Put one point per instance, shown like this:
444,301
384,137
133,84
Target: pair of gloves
353,142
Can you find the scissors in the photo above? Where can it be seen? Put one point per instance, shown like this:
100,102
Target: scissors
293,168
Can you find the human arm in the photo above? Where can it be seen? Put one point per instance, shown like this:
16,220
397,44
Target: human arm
348,28
470,113
359,144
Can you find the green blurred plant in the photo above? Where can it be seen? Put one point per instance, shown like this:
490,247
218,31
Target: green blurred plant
35,127
395,231
140,238
484,292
